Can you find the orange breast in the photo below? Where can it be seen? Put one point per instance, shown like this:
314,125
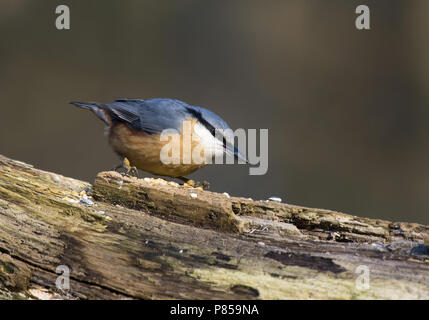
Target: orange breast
143,150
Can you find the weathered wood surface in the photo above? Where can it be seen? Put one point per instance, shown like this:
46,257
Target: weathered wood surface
143,238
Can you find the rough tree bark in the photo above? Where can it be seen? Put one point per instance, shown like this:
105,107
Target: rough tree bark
148,238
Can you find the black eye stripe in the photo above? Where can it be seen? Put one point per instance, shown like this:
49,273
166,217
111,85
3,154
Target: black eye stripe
200,118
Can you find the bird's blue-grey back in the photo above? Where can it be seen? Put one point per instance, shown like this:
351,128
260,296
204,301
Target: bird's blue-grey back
155,115
151,116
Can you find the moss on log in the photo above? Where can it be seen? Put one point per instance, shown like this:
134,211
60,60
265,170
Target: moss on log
148,238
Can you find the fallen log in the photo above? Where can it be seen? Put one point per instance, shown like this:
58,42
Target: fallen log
128,238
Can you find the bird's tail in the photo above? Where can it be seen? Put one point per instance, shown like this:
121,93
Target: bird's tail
96,108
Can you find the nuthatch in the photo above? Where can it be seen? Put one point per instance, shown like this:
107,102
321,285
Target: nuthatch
135,126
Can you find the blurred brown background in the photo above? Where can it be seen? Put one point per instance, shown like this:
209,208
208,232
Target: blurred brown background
347,110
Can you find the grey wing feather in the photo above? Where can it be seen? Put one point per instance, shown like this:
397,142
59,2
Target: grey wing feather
152,116
123,111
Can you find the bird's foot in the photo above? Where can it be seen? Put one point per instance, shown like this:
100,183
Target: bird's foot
130,171
198,185
205,185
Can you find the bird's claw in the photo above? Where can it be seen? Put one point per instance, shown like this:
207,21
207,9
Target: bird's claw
203,185
131,171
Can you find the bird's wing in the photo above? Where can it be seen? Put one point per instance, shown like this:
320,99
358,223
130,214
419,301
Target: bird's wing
151,116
